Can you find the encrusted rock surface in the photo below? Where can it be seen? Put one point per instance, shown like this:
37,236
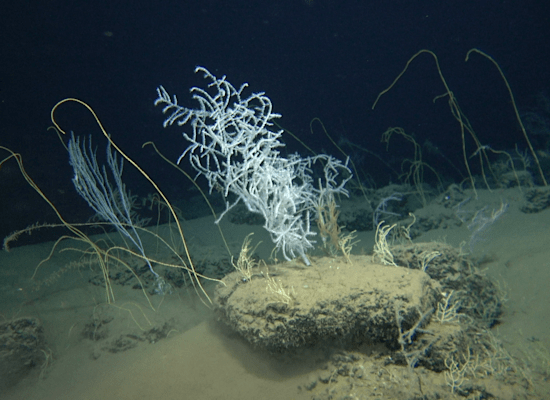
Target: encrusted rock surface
332,300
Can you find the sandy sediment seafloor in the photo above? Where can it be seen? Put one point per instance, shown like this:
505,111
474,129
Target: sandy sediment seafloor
332,300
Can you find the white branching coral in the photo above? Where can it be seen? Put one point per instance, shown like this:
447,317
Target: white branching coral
234,146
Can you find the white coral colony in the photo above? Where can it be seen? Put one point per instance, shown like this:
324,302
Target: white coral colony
234,146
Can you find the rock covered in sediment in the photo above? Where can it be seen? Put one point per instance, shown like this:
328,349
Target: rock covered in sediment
290,306
21,349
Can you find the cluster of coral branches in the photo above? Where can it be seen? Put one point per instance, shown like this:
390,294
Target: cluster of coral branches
235,147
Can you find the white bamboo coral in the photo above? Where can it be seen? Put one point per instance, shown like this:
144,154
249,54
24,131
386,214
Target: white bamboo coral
234,146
